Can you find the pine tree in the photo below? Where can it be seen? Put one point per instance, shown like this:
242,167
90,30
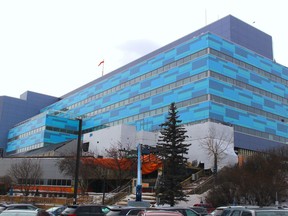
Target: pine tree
172,149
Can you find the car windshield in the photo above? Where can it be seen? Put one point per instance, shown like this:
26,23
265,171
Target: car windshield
105,209
113,213
21,206
272,213
70,209
52,209
226,212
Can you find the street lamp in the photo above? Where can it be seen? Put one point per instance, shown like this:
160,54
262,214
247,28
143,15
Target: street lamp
78,155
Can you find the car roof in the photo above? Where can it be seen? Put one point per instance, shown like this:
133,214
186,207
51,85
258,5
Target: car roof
21,212
126,210
20,204
173,207
161,213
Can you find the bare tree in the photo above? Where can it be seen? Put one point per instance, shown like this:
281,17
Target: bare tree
215,144
26,173
87,170
119,153
260,180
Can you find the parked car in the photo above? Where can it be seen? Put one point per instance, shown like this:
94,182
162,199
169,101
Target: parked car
185,211
258,212
56,210
159,213
218,211
201,210
2,207
229,209
85,210
209,207
18,206
24,212
124,210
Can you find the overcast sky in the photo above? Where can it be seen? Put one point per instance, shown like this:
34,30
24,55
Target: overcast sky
54,46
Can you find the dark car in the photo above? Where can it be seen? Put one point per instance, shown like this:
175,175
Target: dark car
124,210
85,210
56,210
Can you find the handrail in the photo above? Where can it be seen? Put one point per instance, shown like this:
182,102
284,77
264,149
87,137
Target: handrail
189,179
118,196
202,187
120,192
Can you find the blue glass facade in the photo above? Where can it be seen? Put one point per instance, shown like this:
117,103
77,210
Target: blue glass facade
209,77
13,110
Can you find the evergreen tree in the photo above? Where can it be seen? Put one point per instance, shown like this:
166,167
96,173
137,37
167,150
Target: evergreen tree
172,149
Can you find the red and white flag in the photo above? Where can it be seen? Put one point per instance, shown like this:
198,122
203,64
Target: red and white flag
102,62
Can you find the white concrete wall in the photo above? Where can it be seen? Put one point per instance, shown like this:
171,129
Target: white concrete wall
104,139
129,138
198,132
49,167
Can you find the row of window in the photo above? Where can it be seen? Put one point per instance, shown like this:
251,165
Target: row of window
52,182
248,87
245,130
37,130
62,130
139,79
261,134
250,67
245,152
215,99
28,133
254,111
31,147
149,94
248,108
151,113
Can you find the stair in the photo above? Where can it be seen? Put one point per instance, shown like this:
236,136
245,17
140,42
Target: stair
146,197
199,186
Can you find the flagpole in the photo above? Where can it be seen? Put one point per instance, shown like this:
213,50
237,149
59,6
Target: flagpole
102,62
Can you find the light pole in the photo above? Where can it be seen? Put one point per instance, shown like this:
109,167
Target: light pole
78,155
139,175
